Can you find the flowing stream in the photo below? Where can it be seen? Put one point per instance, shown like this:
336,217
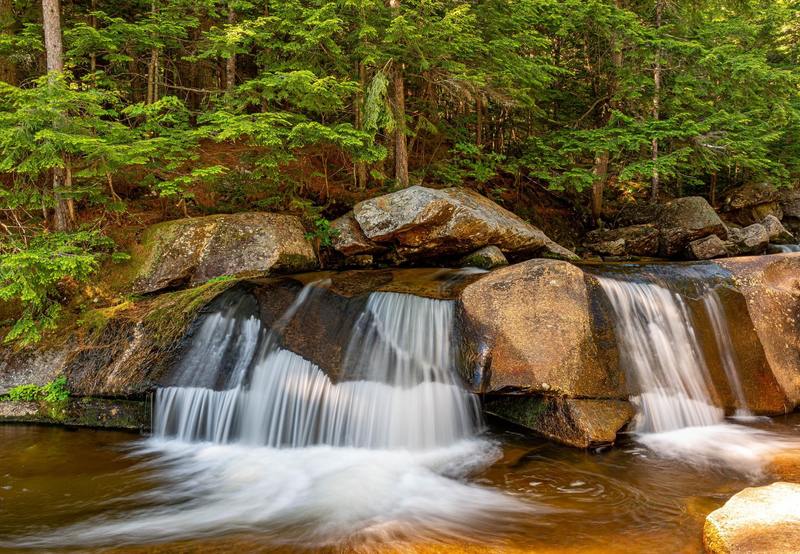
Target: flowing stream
678,414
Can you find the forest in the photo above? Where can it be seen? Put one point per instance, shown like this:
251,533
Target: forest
118,114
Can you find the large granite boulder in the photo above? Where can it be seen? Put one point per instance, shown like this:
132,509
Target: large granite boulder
751,203
531,328
752,239
420,222
684,220
635,240
758,519
771,288
191,251
582,423
789,201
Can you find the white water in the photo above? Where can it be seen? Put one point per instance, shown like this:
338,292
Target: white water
722,335
399,388
676,415
381,456
785,248
661,354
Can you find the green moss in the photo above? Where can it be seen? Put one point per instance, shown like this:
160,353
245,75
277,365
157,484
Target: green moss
170,314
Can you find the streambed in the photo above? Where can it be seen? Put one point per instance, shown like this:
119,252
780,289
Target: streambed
103,491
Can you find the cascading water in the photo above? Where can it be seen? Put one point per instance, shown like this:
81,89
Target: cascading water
255,438
399,388
722,335
660,352
784,248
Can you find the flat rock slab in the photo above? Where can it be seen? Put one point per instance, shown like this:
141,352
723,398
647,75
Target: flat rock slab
763,520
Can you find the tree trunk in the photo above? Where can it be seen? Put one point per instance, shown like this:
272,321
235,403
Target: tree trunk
600,172
656,101
479,121
400,139
360,167
152,67
8,72
230,63
54,53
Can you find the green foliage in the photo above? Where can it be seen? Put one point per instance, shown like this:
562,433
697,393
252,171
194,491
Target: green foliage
31,274
322,231
54,393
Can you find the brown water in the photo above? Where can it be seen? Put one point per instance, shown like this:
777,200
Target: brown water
622,499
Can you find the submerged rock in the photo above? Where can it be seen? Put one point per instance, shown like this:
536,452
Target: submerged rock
530,328
487,257
194,250
420,222
707,248
582,423
758,519
684,220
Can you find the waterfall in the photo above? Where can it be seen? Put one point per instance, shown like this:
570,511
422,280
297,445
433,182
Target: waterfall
399,387
722,335
660,352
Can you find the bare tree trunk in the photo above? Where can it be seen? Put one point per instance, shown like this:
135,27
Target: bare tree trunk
54,53
400,140
656,101
152,68
8,72
230,63
360,167
600,172
479,121
713,192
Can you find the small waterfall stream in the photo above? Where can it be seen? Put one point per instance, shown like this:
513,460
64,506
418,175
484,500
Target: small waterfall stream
677,412
399,388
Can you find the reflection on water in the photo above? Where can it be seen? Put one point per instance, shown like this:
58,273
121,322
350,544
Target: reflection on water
60,488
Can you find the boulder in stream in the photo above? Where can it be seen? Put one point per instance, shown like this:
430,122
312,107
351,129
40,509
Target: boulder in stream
420,222
777,232
532,328
191,251
634,240
751,203
771,288
582,423
758,519
487,257
684,220
752,239
707,248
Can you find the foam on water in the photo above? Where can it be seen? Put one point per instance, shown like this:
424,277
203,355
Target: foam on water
263,441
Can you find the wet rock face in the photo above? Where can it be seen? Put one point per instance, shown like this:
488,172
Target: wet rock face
582,423
684,220
192,251
757,519
635,240
420,222
751,203
530,329
771,288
